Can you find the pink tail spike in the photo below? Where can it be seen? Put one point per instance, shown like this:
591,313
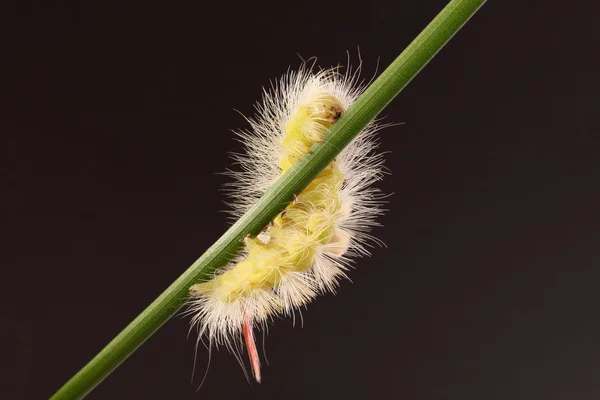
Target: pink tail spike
251,346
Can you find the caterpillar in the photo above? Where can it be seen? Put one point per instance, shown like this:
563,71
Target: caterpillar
310,245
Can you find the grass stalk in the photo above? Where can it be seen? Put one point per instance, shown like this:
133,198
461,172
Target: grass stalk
402,70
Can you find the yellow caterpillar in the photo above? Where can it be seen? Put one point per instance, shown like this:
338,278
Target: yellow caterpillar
306,248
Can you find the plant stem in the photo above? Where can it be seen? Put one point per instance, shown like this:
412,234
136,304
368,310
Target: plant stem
372,101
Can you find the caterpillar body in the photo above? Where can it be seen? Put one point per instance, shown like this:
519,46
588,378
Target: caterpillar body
310,245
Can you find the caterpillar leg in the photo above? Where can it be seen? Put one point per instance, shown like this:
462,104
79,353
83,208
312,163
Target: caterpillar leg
251,346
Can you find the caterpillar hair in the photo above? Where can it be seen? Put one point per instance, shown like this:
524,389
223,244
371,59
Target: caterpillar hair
310,245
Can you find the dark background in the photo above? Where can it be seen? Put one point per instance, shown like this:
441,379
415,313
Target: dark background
115,121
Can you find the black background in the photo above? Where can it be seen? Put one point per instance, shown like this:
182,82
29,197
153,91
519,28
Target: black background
115,121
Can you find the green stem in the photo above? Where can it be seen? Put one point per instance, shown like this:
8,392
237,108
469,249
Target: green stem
373,100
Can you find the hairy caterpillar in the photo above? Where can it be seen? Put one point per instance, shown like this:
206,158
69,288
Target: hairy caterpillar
309,246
